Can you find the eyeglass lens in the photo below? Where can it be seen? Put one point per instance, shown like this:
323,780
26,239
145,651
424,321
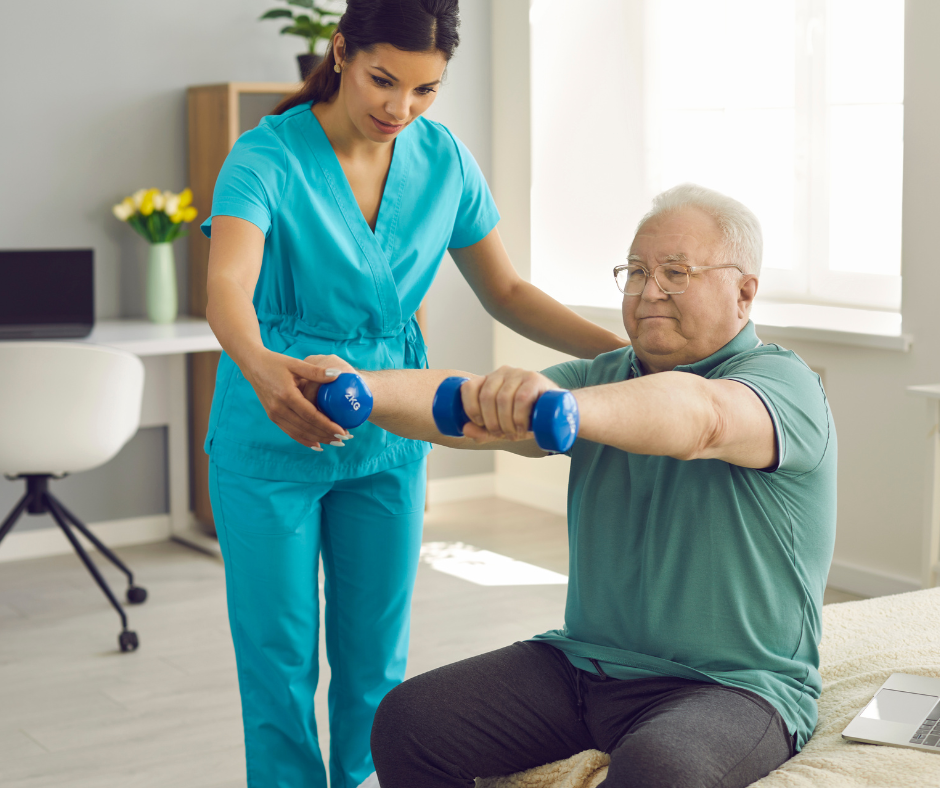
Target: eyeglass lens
673,279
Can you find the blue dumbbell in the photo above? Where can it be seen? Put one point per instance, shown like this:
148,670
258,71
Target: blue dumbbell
346,400
554,418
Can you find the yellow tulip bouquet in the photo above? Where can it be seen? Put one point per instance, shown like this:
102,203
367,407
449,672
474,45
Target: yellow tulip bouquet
158,216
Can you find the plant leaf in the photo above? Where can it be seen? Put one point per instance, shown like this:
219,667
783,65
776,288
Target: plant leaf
137,223
292,30
277,13
306,26
301,3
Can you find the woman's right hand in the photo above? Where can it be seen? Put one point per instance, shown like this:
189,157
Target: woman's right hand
279,382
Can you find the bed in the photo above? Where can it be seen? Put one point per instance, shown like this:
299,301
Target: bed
863,643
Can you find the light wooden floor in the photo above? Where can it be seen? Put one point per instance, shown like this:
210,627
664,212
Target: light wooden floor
75,713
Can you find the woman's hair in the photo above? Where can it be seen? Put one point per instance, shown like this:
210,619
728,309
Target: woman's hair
740,228
409,25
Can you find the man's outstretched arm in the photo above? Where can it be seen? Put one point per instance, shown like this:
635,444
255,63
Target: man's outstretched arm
677,414
672,414
402,400
402,405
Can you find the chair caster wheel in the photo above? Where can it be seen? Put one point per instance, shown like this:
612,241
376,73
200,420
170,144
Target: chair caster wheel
136,595
128,641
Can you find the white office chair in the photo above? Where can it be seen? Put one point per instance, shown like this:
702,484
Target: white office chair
66,407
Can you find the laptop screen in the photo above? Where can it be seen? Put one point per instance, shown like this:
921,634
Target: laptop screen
46,293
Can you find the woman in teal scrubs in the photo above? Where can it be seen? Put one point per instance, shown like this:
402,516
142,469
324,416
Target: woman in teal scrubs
329,221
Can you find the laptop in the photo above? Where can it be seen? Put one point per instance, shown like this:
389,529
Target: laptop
905,712
46,293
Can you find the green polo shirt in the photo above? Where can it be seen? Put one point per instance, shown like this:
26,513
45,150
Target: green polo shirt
698,568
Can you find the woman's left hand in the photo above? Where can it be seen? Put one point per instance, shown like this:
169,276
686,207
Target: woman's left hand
326,363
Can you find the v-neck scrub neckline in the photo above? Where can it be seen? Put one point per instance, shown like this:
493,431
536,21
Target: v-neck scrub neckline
329,284
389,205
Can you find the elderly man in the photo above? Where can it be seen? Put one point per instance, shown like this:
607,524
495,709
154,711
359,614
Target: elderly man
701,516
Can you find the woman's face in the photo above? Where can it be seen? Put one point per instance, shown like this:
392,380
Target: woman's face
385,89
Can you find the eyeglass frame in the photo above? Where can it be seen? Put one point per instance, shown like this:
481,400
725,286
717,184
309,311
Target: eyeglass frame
690,269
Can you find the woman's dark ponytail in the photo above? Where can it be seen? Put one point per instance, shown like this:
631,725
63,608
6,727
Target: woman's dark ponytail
320,84
409,25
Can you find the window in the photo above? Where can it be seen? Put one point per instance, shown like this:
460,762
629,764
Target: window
794,107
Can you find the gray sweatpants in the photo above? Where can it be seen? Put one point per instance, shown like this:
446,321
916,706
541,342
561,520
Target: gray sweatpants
527,705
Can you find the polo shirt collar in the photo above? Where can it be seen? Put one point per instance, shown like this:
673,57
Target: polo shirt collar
745,340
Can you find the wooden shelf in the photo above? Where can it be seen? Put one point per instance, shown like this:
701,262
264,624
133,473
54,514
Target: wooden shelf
218,116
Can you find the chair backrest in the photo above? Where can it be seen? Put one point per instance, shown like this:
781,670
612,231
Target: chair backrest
66,407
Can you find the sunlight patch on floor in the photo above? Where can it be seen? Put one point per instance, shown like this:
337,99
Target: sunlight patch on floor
485,568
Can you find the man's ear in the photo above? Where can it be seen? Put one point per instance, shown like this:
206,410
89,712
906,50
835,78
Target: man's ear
746,293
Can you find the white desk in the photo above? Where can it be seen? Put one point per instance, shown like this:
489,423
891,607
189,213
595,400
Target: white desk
163,350
931,552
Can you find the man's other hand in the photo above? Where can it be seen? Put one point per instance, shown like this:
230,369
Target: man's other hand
500,405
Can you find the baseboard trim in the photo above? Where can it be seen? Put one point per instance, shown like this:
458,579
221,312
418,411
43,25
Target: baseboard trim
868,582
539,495
19,545
461,488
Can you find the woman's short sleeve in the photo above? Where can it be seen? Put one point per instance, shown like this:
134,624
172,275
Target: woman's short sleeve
477,214
251,181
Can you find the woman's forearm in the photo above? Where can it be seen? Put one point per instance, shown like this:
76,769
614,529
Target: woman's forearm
235,257
233,320
537,316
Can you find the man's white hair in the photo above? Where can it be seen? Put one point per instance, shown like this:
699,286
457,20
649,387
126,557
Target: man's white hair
740,228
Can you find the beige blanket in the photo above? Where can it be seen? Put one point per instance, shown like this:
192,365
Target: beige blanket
863,643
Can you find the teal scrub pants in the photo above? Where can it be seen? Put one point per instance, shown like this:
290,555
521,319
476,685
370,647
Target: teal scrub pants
368,531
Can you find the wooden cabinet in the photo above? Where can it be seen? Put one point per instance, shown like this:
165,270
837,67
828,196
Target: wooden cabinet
218,115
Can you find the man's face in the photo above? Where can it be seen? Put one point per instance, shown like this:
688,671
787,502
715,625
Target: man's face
669,330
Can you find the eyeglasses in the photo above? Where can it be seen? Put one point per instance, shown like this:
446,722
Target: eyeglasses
631,279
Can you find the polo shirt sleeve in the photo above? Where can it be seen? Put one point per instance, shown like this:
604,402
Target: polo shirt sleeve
569,374
794,398
251,181
477,214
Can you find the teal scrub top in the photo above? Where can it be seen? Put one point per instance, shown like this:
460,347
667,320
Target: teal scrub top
701,569
328,284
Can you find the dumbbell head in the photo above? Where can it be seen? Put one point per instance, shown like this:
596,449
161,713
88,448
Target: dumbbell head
555,417
447,408
346,400
555,420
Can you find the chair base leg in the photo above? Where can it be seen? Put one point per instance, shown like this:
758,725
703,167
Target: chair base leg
135,594
38,500
15,514
127,640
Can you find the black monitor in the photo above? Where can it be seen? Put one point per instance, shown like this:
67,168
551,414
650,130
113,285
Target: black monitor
47,293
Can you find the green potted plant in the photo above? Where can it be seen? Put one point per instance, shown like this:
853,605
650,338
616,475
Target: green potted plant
317,24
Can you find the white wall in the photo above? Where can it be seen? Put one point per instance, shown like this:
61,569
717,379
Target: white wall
881,429
93,106
460,333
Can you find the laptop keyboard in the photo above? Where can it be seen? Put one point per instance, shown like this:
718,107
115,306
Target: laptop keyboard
929,731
